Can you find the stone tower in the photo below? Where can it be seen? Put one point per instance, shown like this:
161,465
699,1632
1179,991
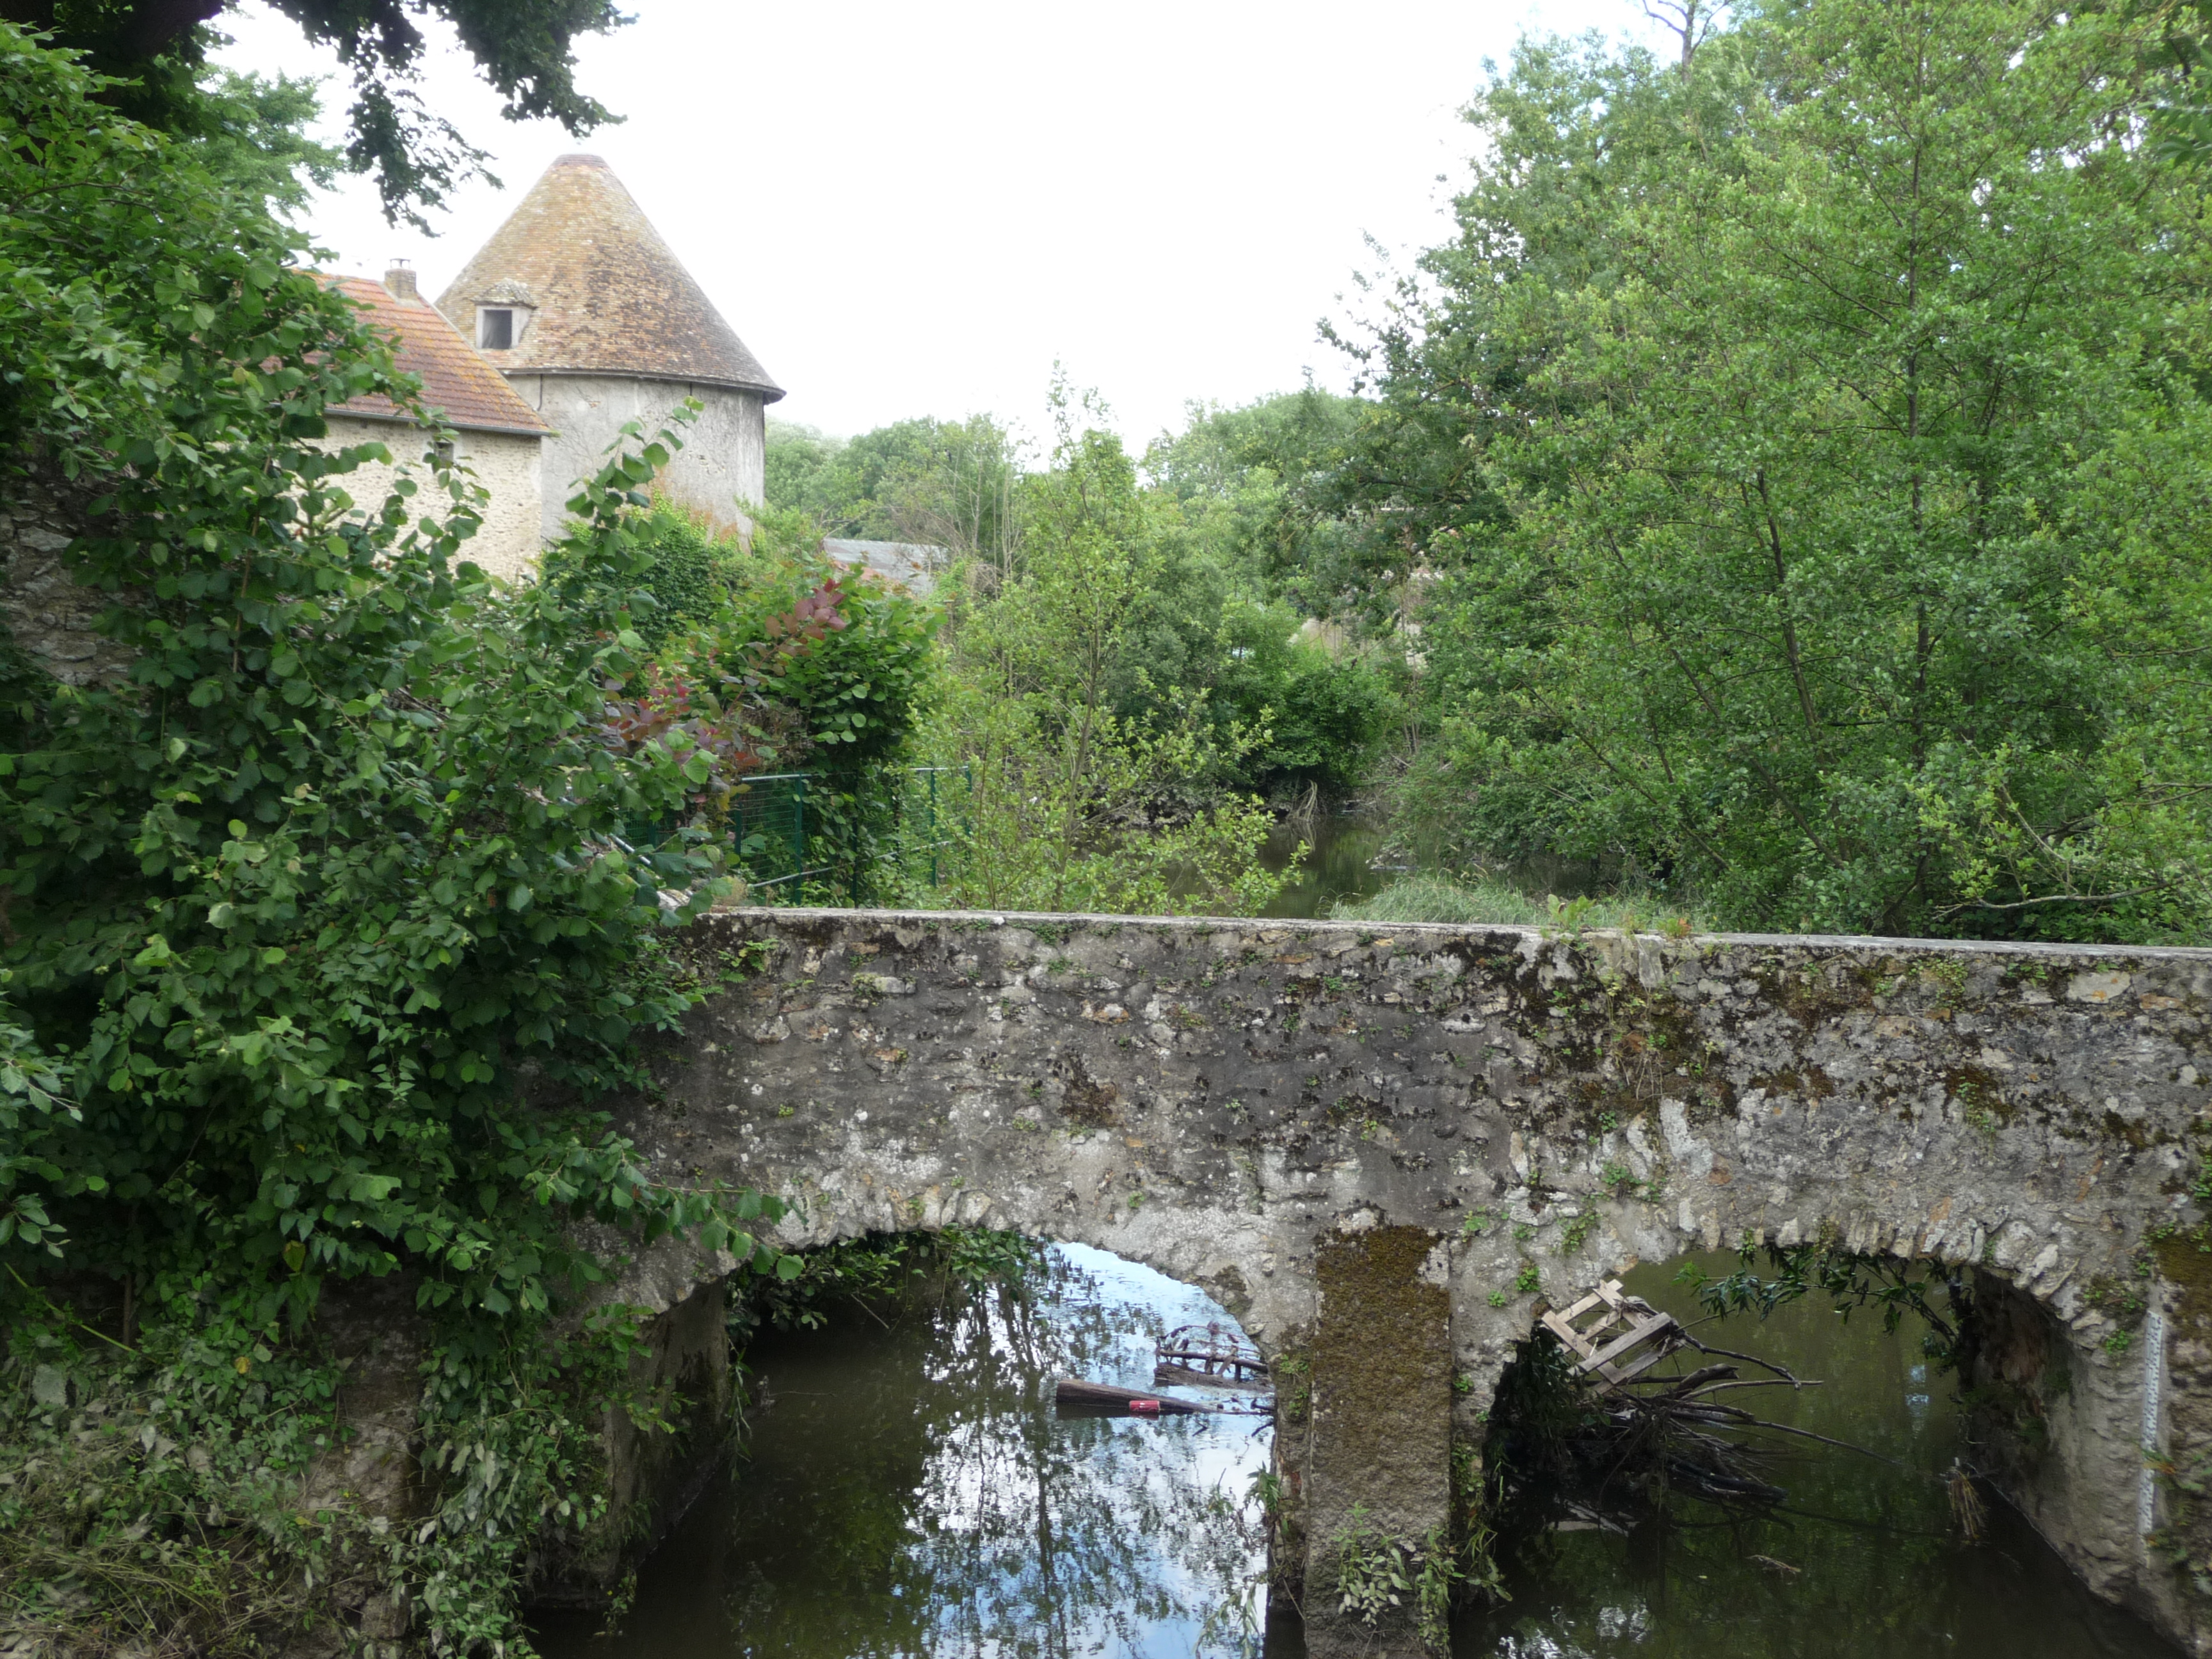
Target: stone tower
595,322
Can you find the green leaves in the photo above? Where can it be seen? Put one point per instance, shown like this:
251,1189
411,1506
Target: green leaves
1060,788
1811,397
301,893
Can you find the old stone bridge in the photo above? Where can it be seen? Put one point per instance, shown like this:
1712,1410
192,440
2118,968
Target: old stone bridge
1404,1141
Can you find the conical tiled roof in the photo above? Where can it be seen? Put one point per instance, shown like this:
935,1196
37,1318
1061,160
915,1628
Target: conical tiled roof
607,296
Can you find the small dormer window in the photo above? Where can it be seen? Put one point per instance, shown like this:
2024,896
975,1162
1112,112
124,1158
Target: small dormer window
495,328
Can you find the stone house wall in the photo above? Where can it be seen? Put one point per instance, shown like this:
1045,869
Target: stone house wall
509,465
723,463
48,617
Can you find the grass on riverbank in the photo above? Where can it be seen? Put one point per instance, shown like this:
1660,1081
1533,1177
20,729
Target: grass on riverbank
1439,898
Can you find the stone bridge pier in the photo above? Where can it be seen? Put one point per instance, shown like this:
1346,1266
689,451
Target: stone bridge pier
1385,1149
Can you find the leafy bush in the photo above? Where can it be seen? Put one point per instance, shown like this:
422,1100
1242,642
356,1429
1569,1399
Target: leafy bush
319,938
1073,801
1323,713
687,574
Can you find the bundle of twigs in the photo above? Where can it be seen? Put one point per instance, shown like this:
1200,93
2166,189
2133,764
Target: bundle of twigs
1680,1430
1682,1433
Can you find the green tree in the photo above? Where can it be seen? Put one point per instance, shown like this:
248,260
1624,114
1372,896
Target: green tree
954,484
1324,711
1836,402
1074,805
2181,124
795,458
299,897
156,51
1261,487
252,134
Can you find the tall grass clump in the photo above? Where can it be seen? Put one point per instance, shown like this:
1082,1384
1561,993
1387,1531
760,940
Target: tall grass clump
1483,899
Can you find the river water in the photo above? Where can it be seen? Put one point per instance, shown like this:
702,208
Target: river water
1861,1562
1341,848
909,1492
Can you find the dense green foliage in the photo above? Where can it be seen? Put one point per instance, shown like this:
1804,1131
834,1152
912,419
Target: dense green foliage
1075,802
184,1491
689,573
944,484
1808,443
2181,122
155,52
1230,562
802,667
763,654
1271,492
319,933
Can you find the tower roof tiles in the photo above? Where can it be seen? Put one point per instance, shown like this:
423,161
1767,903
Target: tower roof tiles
603,293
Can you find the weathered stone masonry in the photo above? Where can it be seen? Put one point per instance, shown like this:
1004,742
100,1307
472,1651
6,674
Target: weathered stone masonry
1250,1106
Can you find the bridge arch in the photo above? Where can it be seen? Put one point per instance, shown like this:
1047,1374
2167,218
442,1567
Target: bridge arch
1418,1131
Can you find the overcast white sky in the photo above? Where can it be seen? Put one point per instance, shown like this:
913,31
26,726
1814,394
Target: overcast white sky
909,210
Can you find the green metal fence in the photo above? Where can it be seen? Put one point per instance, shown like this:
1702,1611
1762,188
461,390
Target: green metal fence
828,837
768,828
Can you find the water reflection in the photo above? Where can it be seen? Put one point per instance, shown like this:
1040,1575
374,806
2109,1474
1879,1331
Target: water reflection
1862,1563
910,1491
1339,864
909,1494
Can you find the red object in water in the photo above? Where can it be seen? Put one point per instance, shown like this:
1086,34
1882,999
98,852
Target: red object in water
1146,1407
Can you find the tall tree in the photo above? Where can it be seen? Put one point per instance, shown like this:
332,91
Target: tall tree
1076,802
1841,455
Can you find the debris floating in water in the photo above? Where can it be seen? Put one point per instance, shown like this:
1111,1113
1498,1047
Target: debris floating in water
1103,1399
1208,1356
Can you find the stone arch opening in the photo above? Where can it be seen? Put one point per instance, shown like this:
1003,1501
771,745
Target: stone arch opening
904,1462
2030,1408
1205,1241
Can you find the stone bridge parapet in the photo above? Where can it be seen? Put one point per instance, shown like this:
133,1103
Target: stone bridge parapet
1241,1103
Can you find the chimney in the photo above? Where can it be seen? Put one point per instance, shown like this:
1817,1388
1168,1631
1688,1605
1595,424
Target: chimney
400,280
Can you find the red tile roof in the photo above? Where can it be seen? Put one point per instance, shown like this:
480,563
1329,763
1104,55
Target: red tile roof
469,390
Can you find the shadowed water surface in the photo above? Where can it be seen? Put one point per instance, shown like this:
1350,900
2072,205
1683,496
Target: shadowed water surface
1338,862
1862,1563
908,1493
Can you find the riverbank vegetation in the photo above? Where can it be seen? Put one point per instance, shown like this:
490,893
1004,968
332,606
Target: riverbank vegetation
323,933
1831,552
1124,690
1779,498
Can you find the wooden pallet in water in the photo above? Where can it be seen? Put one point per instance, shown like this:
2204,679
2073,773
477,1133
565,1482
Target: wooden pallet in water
1627,1337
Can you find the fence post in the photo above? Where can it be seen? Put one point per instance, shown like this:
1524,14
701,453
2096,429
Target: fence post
798,835
857,830
932,829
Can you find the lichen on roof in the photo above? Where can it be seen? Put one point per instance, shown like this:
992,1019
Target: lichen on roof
610,297
456,379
